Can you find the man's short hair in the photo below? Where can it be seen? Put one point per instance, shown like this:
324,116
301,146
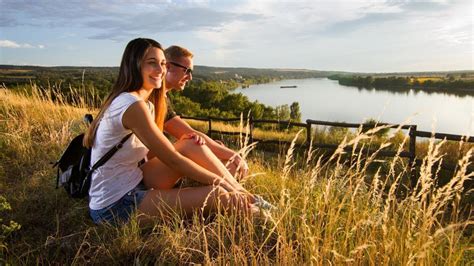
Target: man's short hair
174,52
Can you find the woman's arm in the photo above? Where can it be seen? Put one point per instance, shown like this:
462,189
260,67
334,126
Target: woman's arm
138,119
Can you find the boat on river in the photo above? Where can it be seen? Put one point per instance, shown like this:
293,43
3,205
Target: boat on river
288,86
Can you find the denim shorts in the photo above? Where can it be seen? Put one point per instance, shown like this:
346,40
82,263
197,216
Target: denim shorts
120,211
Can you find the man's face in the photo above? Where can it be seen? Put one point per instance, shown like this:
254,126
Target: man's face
179,73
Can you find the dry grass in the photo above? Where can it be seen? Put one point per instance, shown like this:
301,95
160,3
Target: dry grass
452,151
270,133
329,211
423,79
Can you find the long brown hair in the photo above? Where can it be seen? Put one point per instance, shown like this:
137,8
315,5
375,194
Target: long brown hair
130,79
158,98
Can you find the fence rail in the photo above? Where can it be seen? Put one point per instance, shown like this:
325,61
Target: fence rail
426,134
412,132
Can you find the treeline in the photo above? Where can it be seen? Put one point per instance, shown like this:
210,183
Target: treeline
94,82
209,93
213,98
448,83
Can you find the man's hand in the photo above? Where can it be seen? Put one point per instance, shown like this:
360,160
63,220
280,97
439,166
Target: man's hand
196,137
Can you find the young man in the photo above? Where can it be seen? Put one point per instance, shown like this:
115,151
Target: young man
180,71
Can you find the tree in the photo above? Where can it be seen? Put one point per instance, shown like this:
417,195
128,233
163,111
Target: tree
233,103
295,113
373,123
282,112
184,105
257,110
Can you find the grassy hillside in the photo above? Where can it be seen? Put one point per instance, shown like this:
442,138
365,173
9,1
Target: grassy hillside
330,210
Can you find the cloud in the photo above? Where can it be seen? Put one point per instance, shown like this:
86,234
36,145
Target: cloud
330,34
115,20
302,20
12,44
8,44
351,35
171,19
299,20
52,12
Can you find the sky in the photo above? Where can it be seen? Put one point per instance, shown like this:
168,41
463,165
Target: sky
342,35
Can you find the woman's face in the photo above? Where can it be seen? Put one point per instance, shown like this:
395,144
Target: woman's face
153,68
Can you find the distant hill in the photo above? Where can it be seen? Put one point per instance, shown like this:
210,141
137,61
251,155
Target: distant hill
15,74
12,74
101,79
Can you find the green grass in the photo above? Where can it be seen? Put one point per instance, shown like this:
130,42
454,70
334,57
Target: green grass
330,210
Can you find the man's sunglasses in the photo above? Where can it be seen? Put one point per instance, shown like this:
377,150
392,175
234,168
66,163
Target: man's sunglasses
186,70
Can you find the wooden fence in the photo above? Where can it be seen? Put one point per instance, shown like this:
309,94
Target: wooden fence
410,154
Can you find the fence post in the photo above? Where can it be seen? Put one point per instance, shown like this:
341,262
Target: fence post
251,129
308,133
209,130
412,161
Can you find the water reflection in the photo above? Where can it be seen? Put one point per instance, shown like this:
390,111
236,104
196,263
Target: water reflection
407,90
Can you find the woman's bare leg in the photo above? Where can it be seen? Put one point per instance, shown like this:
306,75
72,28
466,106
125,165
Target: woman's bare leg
163,199
159,176
187,200
203,156
232,168
205,199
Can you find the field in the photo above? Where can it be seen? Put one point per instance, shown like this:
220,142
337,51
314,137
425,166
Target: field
329,210
423,79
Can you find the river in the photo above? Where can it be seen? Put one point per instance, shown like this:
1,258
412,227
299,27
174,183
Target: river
324,99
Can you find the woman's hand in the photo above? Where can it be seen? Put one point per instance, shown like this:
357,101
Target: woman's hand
196,137
237,189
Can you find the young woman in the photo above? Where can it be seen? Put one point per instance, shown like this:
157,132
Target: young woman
137,105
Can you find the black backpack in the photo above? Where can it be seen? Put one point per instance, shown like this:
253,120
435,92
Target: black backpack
74,171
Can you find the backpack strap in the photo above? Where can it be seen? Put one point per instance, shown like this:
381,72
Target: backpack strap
109,154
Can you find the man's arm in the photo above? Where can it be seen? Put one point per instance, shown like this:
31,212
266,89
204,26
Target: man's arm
178,128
